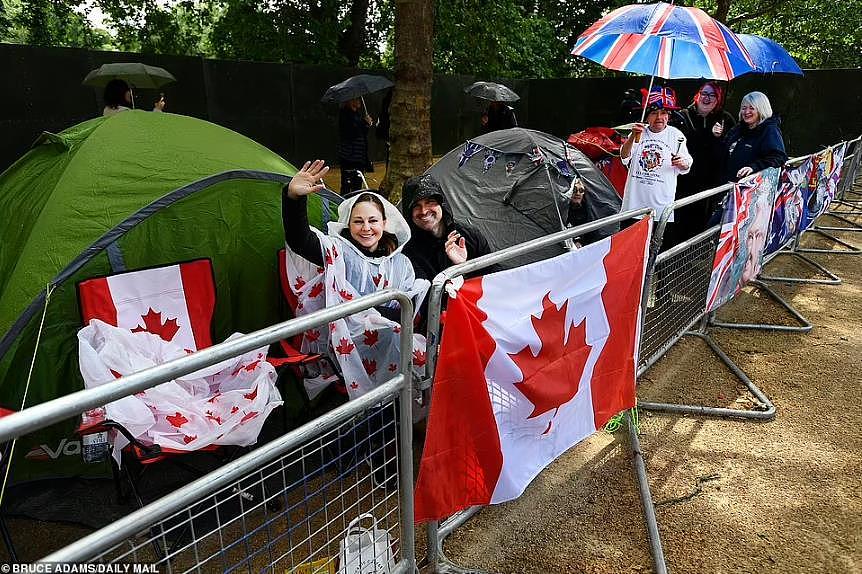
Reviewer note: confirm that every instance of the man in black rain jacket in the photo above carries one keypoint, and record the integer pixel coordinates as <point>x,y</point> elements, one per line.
<point>437,241</point>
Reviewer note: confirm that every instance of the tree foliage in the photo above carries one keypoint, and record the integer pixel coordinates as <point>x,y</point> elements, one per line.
<point>503,38</point>
<point>496,39</point>
<point>49,23</point>
<point>817,33</point>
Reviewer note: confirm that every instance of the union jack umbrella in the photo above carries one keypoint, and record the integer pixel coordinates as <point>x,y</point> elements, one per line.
<point>665,40</point>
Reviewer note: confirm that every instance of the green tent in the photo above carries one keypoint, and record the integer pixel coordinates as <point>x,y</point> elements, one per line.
<point>134,190</point>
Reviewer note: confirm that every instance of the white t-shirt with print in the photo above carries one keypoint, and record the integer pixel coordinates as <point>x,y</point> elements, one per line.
<point>652,179</point>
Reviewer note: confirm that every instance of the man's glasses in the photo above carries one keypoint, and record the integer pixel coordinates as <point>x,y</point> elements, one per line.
<point>708,95</point>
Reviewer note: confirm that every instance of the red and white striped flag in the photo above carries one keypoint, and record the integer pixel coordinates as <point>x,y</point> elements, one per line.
<point>533,360</point>
<point>175,302</point>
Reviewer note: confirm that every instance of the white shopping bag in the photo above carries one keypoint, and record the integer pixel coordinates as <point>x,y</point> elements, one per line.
<point>365,550</point>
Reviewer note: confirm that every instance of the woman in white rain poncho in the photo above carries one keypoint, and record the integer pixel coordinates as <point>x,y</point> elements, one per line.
<point>360,254</point>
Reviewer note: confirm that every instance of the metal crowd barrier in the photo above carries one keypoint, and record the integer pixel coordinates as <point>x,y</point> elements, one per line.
<point>793,248</point>
<point>285,506</point>
<point>437,532</point>
<point>849,248</point>
<point>288,504</point>
<point>674,306</point>
<point>845,187</point>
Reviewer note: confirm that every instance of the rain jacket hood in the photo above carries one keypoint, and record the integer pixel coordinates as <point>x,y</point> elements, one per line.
<point>424,187</point>
<point>396,224</point>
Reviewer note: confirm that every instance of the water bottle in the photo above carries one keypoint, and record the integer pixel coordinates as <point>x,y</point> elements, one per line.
<point>94,445</point>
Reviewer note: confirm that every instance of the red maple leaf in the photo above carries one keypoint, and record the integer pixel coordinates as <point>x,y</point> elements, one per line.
<point>248,417</point>
<point>234,409</point>
<point>377,279</point>
<point>328,257</point>
<point>316,290</point>
<point>393,367</point>
<point>354,385</point>
<point>252,395</point>
<point>334,252</point>
<point>212,417</point>
<point>345,346</point>
<point>212,399</point>
<point>300,282</point>
<point>312,335</point>
<point>371,337</point>
<point>345,295</point>
<point>396,329</point>
<point>550,379</point>
<point>370,366</point>
<point>119,376</point>
<point>153,324</point>
<point>332,327</point>
<point>419,358</point>
<point>188,439</point>
<point>176,420</point>
<point>252,365</point>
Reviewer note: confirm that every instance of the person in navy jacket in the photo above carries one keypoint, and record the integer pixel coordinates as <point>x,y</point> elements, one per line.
<point>755,143</point>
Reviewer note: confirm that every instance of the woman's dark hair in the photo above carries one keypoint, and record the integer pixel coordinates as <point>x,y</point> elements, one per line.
<point>388,242</point>
<point>115,93</point>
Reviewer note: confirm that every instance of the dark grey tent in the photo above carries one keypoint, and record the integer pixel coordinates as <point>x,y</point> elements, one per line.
<point>514,184</point>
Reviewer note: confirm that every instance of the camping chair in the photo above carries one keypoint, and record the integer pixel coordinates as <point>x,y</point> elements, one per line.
<point>184,291</point>
<point>304,365</point>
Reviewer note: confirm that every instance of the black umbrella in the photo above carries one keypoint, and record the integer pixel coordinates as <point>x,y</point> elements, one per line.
<point>491,91</point>
<point>355,87</point>
<point>137,74</point>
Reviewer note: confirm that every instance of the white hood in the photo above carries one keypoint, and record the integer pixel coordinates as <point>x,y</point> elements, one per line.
<point>395,222</point>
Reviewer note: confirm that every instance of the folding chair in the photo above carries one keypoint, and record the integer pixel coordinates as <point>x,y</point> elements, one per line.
<point>175,302</point>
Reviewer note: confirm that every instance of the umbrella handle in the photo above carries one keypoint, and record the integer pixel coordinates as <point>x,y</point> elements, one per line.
<point>365,110</point>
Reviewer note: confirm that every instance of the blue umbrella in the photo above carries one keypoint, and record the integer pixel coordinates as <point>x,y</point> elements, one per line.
<point>768,56</point>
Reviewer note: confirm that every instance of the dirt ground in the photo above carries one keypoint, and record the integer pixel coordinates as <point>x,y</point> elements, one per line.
<point>730,496</point>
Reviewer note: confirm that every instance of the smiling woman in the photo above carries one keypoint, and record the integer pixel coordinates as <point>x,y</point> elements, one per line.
<point>360,254</point>
<point>756,142</point>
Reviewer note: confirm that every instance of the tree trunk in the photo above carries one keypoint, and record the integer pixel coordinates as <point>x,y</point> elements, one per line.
<point>352,42</point>
<point>722,9</point>
<point>410,112</point>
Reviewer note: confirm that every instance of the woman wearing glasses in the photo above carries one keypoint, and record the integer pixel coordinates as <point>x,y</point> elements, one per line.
<point>703,123</point>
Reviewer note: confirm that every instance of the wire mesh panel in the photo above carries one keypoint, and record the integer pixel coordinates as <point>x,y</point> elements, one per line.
<point>291,515</point>
<point>677,295</point>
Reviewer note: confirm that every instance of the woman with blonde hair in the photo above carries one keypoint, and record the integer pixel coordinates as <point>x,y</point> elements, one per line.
<point>755,143</point>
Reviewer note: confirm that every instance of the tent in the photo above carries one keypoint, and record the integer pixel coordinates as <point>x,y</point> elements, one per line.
<point>512,185</point>
<point>130,191</point>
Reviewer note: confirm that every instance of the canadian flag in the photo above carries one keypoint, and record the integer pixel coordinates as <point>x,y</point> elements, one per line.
<point>533,360</point>
<point>175,302</point>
